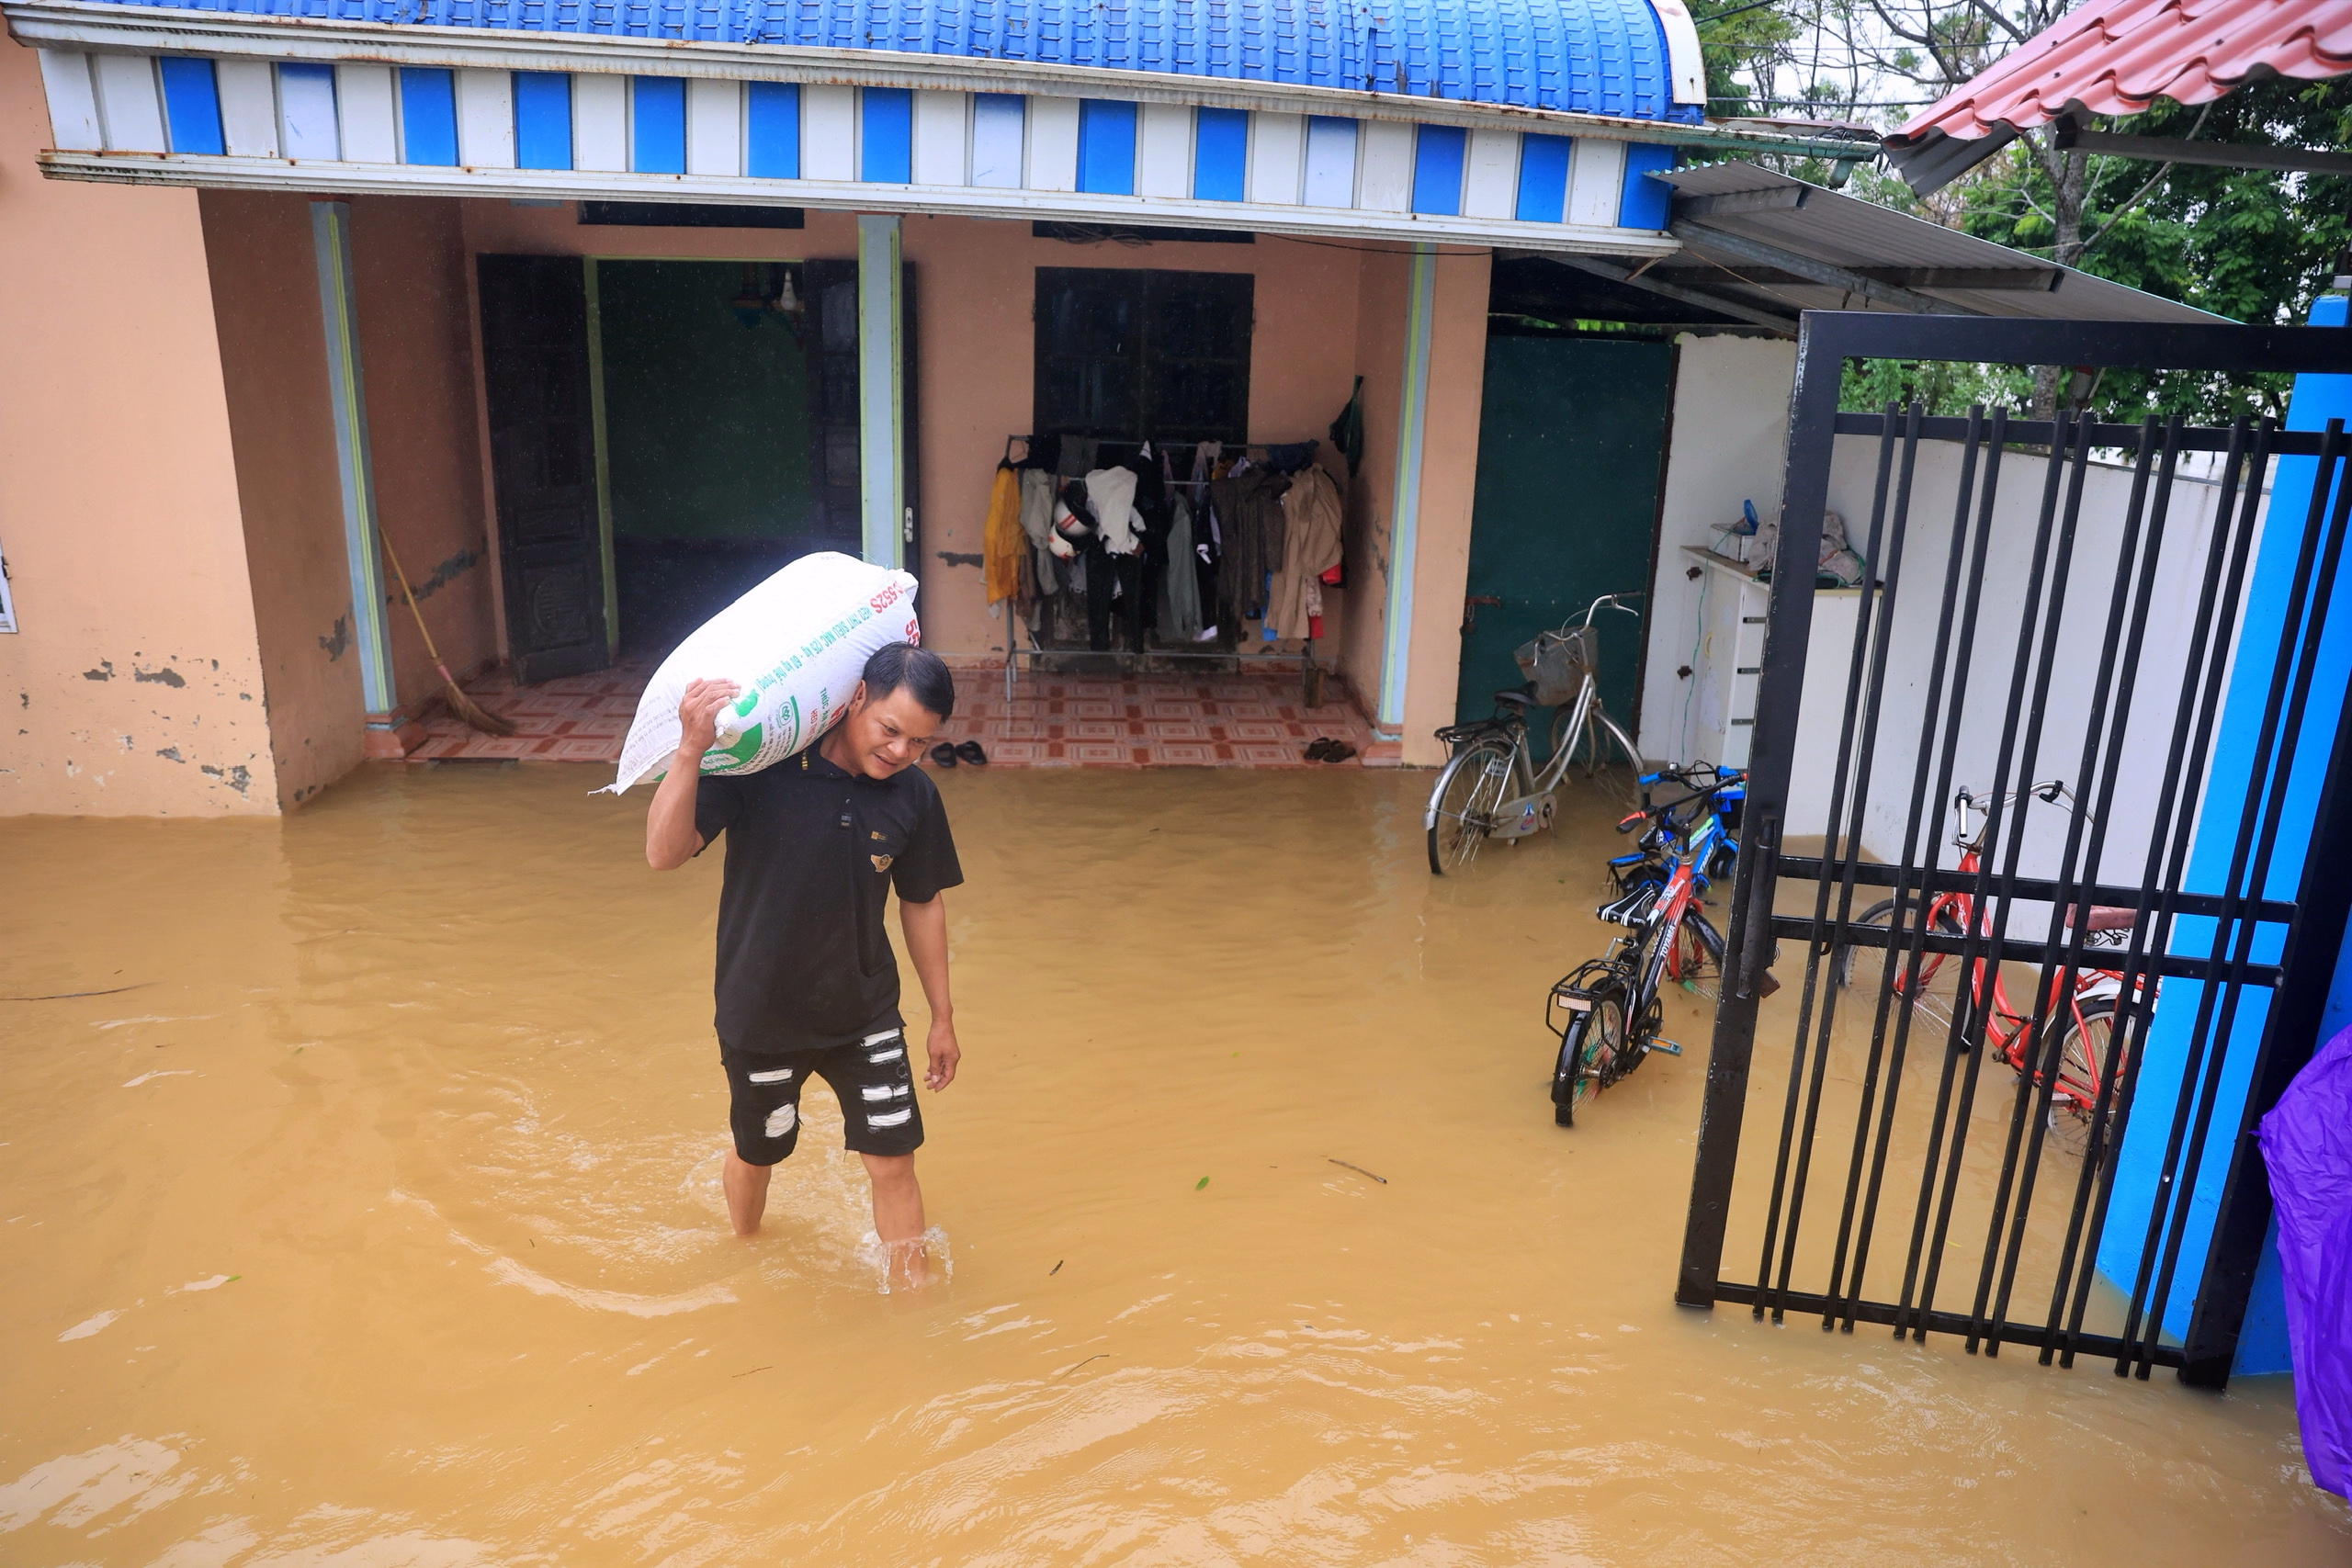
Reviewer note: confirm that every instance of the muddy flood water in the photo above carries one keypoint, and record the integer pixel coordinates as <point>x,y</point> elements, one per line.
<point>378,1223</point>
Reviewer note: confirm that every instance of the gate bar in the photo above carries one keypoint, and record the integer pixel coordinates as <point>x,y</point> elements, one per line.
<point>1824,341</point>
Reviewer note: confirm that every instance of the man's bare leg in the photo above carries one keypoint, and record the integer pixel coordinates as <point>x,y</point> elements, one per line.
<point>898,1216</point>
<point>746,1193</point>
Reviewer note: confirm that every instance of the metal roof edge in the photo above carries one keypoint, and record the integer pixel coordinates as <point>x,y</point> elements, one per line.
<point>95,25</point>
<point>213,170</point>
<point>1765,179</point>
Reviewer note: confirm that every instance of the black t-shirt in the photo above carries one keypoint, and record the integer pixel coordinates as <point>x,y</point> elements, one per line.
<point>812,853</point>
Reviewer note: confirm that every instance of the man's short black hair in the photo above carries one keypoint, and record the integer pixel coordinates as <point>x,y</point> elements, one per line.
<point>922,672</point>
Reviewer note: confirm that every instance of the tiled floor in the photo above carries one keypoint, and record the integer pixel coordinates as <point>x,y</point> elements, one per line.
<point>581,718</point>
<point>1051,721</point>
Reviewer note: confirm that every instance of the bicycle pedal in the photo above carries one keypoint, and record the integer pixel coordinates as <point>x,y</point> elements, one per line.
<point>1668,1046</point>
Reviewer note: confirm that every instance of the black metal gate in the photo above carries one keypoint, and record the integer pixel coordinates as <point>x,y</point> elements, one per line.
<point>1975,857</point>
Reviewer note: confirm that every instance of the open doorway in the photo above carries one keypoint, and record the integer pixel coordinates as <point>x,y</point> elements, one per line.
<point>718,403</point>
<point>706,460</point>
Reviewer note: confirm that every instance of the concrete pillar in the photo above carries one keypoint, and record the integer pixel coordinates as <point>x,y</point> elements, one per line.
<point>886,521</point>
<point>1405,496</point>
<point>346,391</point>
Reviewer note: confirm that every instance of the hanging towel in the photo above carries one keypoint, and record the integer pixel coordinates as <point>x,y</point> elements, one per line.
<point>1001,540</point>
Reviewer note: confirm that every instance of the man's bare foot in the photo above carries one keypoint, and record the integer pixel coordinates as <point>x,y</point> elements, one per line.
<point>910,1264</point>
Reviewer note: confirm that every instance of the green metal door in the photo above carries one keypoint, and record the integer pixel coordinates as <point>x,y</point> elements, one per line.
<point>1569,445</point>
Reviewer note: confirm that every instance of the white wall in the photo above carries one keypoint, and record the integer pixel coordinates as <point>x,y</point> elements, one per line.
<point>1728,435</point>
<point>2077,660</point>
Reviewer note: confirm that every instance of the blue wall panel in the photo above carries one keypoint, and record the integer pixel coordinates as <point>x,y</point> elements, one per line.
<point>191,104</point>
<point>658,108</point>
<point>886,136</point>
<point>542,120</point>
<point>428,117</point>
<point>772,131</point>
<point>1646,200</point>
<point>1106,147</point>
<point>1438,153</point>
<point>1542,179</point>
<point>1220,155</point>
<point>2164,1053</point>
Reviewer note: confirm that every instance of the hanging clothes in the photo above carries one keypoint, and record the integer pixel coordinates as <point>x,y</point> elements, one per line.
<point>1248,509</point>
<point>1112,495</point>
<point>1037,523</point>
<point>1347,431</point>
<point>1002,541</point>
<point>1207,548</point>
<point>1179,585</point>
<point>1311,547</point>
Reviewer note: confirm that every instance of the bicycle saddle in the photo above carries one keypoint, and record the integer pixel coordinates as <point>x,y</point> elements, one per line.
<point>2103,918</point>
<point>1518,696</point>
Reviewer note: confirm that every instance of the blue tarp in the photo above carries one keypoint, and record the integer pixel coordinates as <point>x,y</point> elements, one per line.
<point>2307,1146</point>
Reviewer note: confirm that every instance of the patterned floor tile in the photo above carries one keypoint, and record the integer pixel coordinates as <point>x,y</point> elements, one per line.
<point>1248,721</point>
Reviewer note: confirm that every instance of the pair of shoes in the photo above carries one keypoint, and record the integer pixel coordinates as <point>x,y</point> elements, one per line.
<point>1325,748</point>
<point>946,756</point>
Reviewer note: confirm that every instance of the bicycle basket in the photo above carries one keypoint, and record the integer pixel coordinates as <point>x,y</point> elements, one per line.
<point>1557,663</point>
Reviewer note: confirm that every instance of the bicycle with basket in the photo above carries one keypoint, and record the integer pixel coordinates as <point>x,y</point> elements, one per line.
<point>1490,787</point>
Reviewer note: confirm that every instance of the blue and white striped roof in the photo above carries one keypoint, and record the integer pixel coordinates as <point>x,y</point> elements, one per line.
<point>1626,58</point>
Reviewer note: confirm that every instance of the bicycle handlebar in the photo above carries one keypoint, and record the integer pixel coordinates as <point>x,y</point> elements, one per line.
<point>1610,600</point>
<point>1734,778</point>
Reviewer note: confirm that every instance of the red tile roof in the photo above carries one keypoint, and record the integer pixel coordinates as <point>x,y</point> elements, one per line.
<point>2117,56</point>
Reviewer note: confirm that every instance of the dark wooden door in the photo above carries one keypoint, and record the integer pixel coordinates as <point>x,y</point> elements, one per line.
<point>542,461</point>
<point>833,465</point>
<point>1570,438</point>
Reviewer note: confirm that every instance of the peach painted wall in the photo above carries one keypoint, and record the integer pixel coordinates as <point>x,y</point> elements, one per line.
<point>273,362</point>
<point>1448,480</point>
<point>410,266</point>
<point>1449,483</point>
<point>975,286</point>
<point>134,687</point>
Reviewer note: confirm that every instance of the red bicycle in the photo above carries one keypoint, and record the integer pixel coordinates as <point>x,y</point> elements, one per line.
<point>2086,1018</point>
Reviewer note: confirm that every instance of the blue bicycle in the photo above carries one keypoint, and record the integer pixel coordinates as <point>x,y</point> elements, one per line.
<point>1606,1012</point>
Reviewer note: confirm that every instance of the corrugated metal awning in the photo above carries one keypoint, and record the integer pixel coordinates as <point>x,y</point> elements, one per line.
<point>1761,247</point>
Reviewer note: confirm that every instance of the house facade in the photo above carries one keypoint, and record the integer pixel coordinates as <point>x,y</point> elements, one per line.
<point>501,299</point>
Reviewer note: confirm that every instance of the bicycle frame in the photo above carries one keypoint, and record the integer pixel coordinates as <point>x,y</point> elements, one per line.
<point>2004,1027</point>
<point>1654,909</point>
<point>1531,808</point>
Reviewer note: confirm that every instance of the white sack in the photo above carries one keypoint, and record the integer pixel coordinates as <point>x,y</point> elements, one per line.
<point>797,644</point>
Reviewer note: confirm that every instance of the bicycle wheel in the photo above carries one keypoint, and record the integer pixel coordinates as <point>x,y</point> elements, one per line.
<point>1590,1051</point>
<point>1933,996</point>
<point>1460,812</point>
<point>1697,952</point>
<point>2089,1053</point>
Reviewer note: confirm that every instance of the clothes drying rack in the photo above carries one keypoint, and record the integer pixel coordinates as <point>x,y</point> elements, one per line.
<point>1132,661</point>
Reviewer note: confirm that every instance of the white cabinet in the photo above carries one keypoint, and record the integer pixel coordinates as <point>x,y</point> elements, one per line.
<point>1732,608</point>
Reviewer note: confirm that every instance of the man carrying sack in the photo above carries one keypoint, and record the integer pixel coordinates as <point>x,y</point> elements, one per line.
<point>806,981</point>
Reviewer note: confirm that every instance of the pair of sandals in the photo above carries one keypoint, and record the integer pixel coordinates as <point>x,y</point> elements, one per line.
<point>1325,748</point>
<point>946,756</point>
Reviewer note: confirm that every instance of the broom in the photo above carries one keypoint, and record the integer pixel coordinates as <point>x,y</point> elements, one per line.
<point>464,706</point>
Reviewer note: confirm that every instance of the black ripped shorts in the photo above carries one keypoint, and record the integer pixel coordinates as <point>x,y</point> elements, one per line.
<point>871,1078</point>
